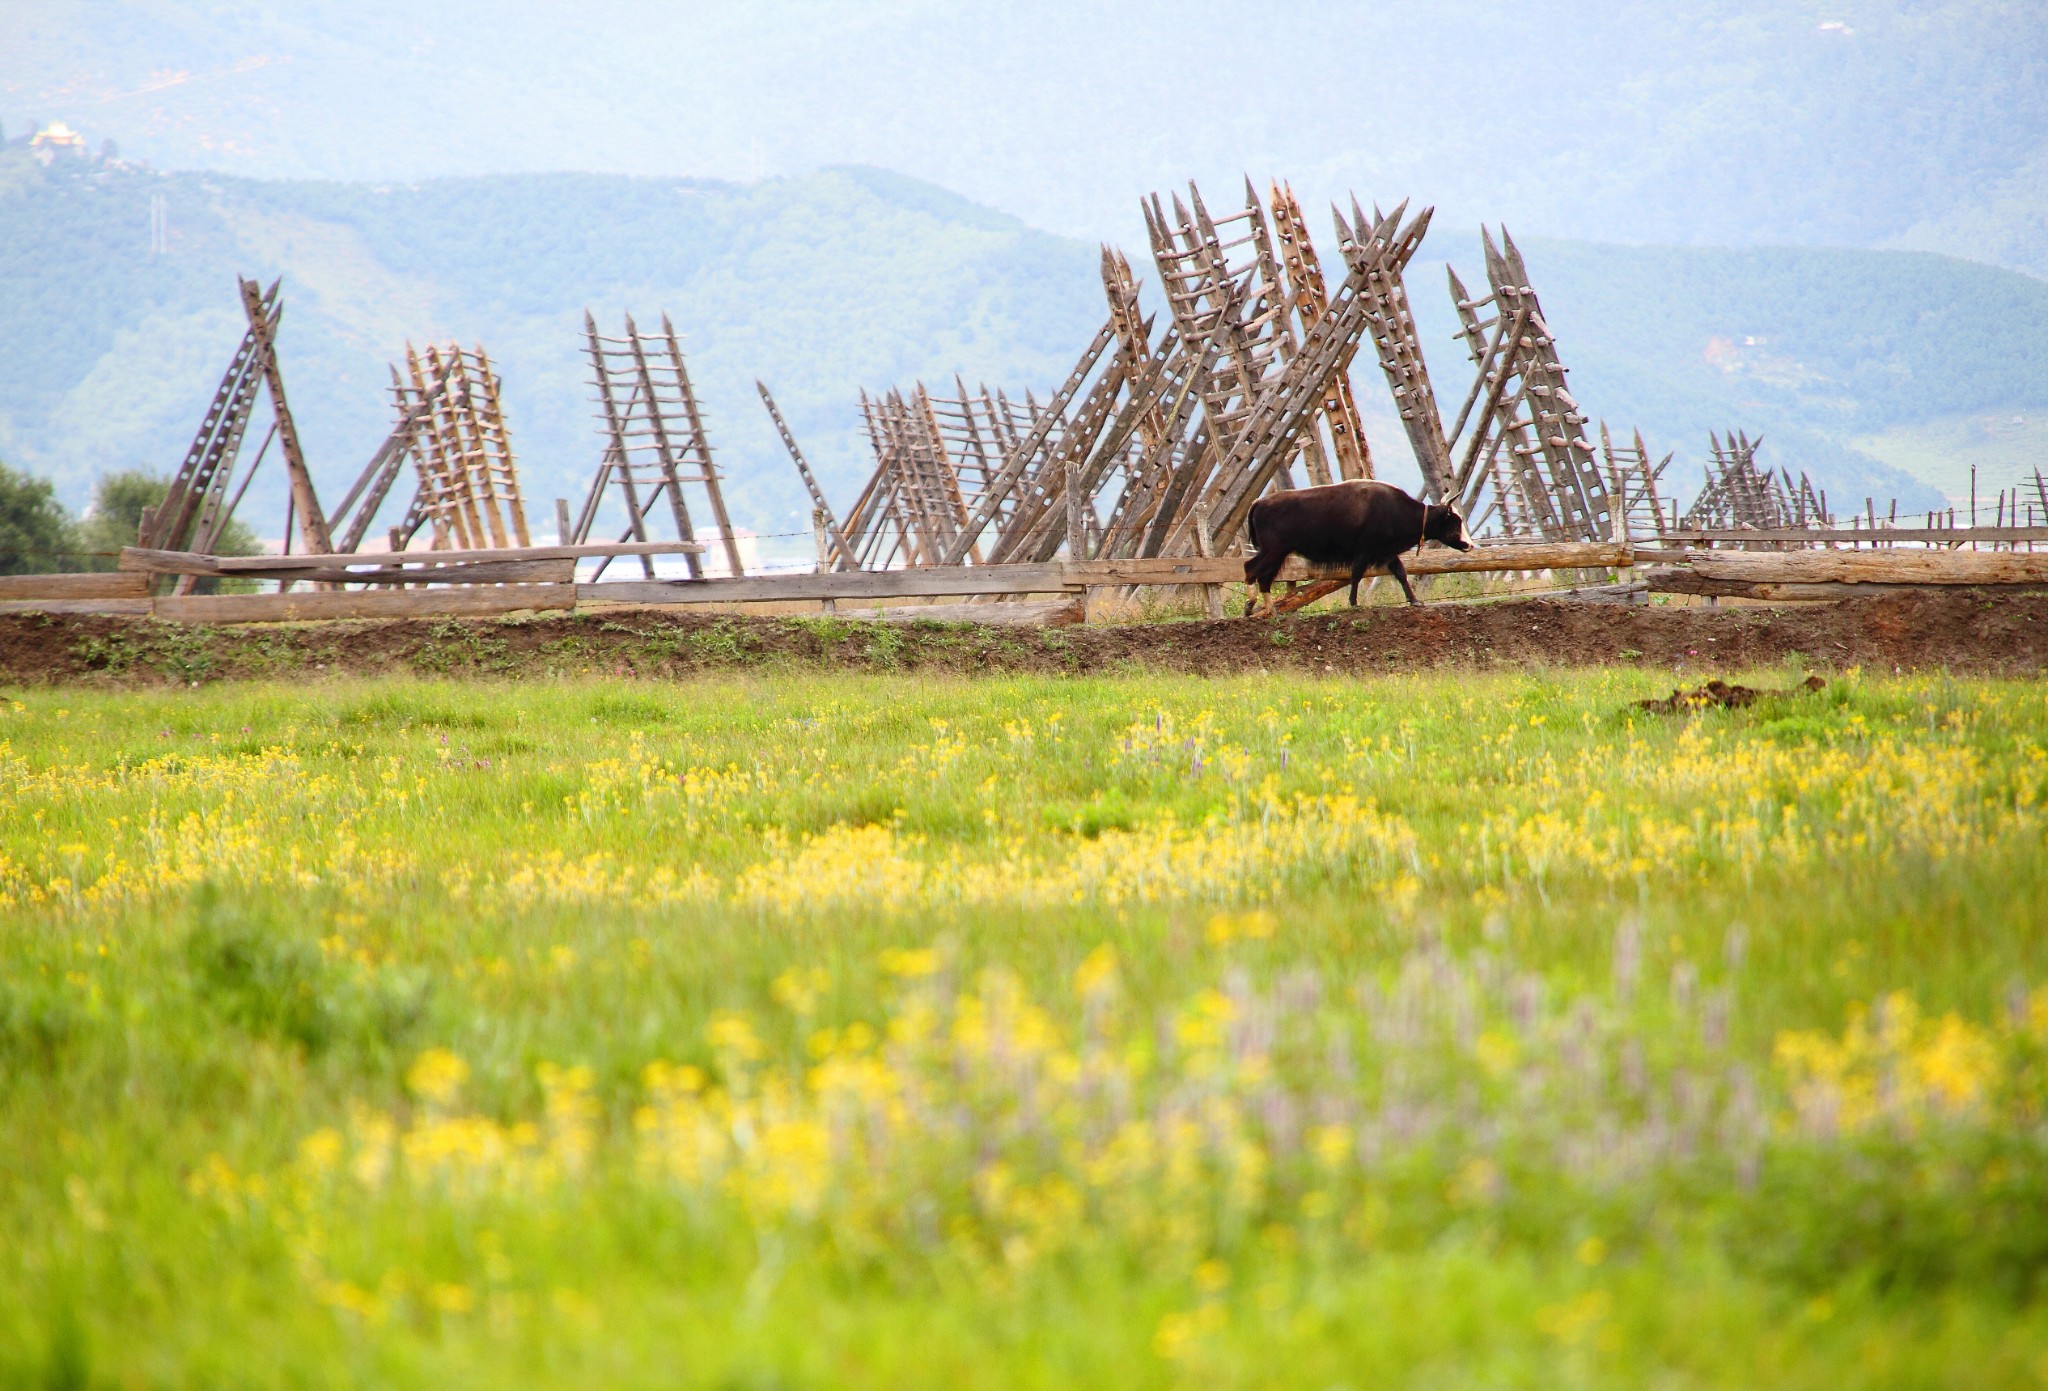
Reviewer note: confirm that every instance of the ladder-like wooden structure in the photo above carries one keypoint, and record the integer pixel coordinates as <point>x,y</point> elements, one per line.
<point>205,491</point>
<point>450,401</point>
<point>656,448</point>
<point>1171,426</point>
<point>1632,481</point>
<point>1739,495</point>
<point>1309,298</point>
<point>1528,467</point>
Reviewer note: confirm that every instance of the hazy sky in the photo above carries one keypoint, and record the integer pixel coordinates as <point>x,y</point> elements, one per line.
<point>1695,121</point>
<point>1863,123</point>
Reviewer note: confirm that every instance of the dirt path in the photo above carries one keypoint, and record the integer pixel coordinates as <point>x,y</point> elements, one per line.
<point>1968,631</point>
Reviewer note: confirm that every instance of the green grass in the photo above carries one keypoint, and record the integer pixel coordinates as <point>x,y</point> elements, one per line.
<point>1418,1031</point>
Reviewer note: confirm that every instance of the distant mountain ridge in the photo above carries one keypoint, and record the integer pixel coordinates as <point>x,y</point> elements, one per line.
<point>857,278</point>
<point>1916,124</point>
<point>819,286</point>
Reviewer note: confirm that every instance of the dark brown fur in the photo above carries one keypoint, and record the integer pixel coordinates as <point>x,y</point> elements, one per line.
<point>1362,525</point>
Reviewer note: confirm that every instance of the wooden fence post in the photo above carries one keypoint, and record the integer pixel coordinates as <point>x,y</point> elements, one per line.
<point>564,529</point>
<point>1205,546</point>
<point>1077,529</point>
<point>824,544</point>
<point>1077,534</point>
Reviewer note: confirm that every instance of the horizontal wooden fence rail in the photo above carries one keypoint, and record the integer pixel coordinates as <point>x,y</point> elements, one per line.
<point>1872,567</point>
<point>132,608</point>
<point>136,558</point>
<point>1810,575</point>
<point>1865,536</point>
<point>100,585</point>
<point>482,583</point>
<point>485,588</point>
<point>1516,557</point>
<point>1574,555</point>
<point>1053,577</point>
<point>479,602</point>
<point>943,580</point>
<point>478,572</point>
<point>1774,591</point>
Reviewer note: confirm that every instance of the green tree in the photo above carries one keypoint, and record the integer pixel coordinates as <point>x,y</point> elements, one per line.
<point>115,517</point>
<point>36,533</point>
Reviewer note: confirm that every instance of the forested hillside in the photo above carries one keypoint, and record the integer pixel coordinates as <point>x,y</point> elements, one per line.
<point>1832,355</point>
<point>854,278</point>
<point>819,286</point>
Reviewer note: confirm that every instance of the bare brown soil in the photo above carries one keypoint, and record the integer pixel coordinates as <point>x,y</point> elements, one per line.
<point>1967,631</point>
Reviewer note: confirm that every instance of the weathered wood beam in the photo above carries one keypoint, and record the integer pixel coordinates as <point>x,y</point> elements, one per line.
<point>150,562</point>
<point>1684,581</point>
<point>700,448</point>
<point>133,608</point>
<point>313,533</point>
<point>1433,561</point>
<point>1873,567</point>
<point>842,556</point>
<point>101,585</point>
<point>561,571</point>
<point>1878,536</point>
<point>1048,613</point>
<point>943,580</point>
<point>335,603</point>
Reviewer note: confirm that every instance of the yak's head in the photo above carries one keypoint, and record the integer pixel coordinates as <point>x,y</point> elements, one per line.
<point>1445,525</point>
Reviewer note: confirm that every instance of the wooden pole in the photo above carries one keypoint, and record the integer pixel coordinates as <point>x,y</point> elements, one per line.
<point>1893,566</point>
<point>1205,546</point>
<point>290,502</point>
<point>1077,531</point>
<point>819,534</point>
<point>1077,535</point>
<point>263,319</point>
<point>615,426</point>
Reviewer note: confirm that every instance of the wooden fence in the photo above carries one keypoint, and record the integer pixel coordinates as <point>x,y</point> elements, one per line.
<point>542,578</point>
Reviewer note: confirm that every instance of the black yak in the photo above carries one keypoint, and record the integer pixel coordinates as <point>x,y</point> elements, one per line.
<point>1362,525</point>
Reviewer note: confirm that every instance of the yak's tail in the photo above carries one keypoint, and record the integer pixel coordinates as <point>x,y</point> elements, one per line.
<point>1251,527</point>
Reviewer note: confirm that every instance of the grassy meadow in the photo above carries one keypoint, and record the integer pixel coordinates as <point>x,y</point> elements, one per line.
<point>1421,1031</point>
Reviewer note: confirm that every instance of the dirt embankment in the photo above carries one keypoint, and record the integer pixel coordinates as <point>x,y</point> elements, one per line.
<point>1967,631</point>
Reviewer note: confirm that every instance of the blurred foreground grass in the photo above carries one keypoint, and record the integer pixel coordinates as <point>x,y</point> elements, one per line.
<point>1421,1031</point>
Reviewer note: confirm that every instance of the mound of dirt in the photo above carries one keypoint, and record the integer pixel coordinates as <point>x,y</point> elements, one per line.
<point>1724,695</point>
<point>1968,631</point>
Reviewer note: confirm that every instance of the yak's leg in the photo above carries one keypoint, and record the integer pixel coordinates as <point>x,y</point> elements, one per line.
<point>1262,572</point>
<point>1357,574</point>
<point>1400,572</point>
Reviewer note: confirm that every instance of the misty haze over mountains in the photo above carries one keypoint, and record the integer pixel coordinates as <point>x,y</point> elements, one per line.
<point>1866,125</point>
<point>1715,122</point>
